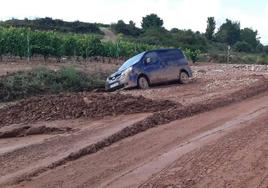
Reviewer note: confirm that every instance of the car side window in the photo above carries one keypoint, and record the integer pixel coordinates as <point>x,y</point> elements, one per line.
<point>171,55</point>
<point>152,56</point>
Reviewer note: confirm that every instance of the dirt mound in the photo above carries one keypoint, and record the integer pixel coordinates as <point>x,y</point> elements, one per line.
<point>71,106</point>
<point>28,130</point>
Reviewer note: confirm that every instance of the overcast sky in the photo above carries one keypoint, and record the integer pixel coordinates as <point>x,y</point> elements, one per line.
<point>182,14</point>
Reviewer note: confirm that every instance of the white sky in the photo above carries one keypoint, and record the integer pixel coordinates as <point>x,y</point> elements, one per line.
<point>182,14</point>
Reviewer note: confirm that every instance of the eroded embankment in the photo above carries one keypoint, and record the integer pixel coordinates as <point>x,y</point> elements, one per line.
<point>73,106</point>
<point>27,130</point>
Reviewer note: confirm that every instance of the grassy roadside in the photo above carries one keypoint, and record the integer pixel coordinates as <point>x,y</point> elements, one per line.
<point>44,81</point>
<point>234,58</point>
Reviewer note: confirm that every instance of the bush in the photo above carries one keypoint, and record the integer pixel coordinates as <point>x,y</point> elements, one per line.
<point>192,54</point>
<point>218,58</point>
<point>241,58</point>
<point>44,81</point>
<point>263,60</point>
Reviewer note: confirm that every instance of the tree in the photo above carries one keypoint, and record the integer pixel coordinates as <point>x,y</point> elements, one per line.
<point>242,47</point>
<point>259,48</point>
<point>250,36</point>
<point>120,27</point>
<point>126,29</point>
<point>265,49</point>
<point>211,26</point>
<point>2,43</point>
<point>189,39</point>
<point>229,32</point>
<point>133,30</point>
<point>174,30</point>
<point>132,24</point>
<point>156,36</point>
<point>151,21</point>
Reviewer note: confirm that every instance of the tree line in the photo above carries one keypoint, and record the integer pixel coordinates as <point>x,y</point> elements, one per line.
<point>229,33</point>
<point>49,24</point>
<point>152,32</point>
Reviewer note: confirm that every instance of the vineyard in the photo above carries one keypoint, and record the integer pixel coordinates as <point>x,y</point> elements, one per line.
<point>23,42</point>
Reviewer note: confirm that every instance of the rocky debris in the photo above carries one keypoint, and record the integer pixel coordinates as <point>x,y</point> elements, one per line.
<point>228,76</point>
<point>229,83</point>
<point>256,68</point>
<point>76,105</point>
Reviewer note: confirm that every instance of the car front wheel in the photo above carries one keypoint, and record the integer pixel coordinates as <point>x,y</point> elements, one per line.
<point>143,83</point>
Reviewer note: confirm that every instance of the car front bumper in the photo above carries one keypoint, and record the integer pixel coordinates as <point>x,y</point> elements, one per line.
<point>119,83</point>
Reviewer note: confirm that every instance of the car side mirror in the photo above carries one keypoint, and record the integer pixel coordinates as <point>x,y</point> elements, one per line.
<point>148,60</point>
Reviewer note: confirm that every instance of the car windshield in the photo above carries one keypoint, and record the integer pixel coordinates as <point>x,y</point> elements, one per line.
<point>131,61</point>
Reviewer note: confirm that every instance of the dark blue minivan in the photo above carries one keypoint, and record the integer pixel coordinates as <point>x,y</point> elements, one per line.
<point>151,67</point>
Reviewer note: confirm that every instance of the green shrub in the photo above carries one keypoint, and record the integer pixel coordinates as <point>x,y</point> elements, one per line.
<point>262,60</point>
<point>240,58</point>
<point>192,54</point>
<point>218,58</point>
<point>43,81</point>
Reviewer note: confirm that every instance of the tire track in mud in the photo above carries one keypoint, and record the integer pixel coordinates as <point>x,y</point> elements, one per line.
<point>237,159</point>
<point>162,163</point>
<point>158,118</point>
<point>22,162</point>
<point>164,117</point>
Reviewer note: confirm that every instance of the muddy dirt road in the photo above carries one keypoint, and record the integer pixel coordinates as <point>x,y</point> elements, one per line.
<point>225,147</point>
<point>212,132</point>
<point>209,81</point>
<point>108,34</point>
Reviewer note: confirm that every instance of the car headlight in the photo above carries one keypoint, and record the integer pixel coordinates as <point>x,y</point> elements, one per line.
<point>127,72</point>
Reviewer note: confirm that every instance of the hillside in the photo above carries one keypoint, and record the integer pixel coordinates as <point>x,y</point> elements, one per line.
<point>49,24</point>
<point>244,43</point>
